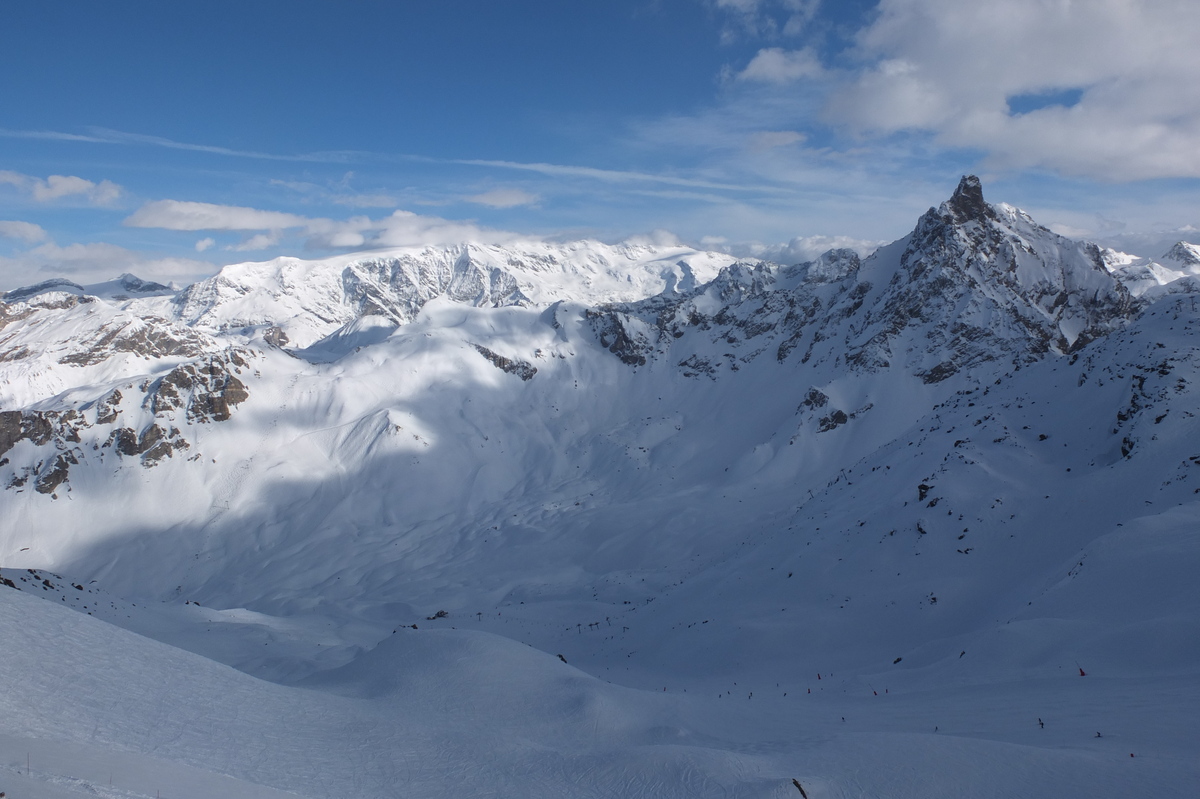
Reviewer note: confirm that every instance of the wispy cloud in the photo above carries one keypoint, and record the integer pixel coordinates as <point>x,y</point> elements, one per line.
<point>56,187</point>
<point>258,242</point>
<point>182,215</point>
<point>686,196</point>
<point>401,228</point>
<point>503,198</point>
<point>807,248</point>
<point>364,200</point>
<point>614,175</point>
<point>339,193</point>
<point>22,231</point>
<point>776,65</point>
<point>768,19</point>
<point>109,136</point>
<point>404,228</point>
<point>93,262</point>
<point>120,137</point>
<point>376,199</point>
<point>763,140</point>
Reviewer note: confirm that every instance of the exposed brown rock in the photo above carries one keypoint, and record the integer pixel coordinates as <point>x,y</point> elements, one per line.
<point>521,369</point>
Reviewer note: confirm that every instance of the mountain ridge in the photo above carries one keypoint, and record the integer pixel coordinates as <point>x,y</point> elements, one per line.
<point>948,472</point>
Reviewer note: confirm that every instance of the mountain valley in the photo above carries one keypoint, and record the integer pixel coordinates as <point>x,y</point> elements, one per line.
<point>610,520</point>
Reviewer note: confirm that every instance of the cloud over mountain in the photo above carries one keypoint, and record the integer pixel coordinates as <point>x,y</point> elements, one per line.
<point>1100,89</point>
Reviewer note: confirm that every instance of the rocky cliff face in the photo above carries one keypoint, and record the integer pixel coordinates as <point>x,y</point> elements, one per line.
<point>84,378</point>
<point>972,283</point>
<point>140,420</point>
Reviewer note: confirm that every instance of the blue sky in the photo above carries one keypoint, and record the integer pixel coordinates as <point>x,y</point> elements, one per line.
<point>168,139</point>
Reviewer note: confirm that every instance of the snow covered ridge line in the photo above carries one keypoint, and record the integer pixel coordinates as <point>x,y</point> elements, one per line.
<point>82,330</point>
<point>309,300</point>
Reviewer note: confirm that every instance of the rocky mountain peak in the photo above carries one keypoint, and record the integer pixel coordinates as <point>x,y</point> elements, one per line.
<point>967,204</point>
<point>133,283</point>
<point>979,264</point>
<point>972,284</point>
<point>54,284</point>
<point>1184,253</point>
<point>832,266</point>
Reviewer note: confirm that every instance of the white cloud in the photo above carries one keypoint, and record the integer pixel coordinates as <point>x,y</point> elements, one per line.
<point>343,239</point>
<point>179,215</point>
<point>688,196</point>
<point>769,139</point>
<point>655,238</point>
<point>94,262</point>
<point>205,244</point>
<point>1070,231</point>
<point>503,198</point>
<point>954,68</point>
<point>56,187</point>
<point>22,231</point>
<point>606,175</point>
<point>807,248</point>
<point>798,250</point>
<point>259,241</point>
<point>742,6</point>
<point>368,200</point>
<point>340,194</point>
<point>776,65</point>
<point>767,18</point>
<point>406,228</point>
<point>108,136</point>
<point>299,186</point>
<point>402,228</point>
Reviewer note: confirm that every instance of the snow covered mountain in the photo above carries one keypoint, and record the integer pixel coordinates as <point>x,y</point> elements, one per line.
<point>307,300</point>
<point>120,288</point>
<point>862,523</point>
<point>972,283</point>
<point>1172,273</point>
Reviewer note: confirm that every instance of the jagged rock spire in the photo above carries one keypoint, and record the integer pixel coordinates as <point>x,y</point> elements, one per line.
<point>967,203</point>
